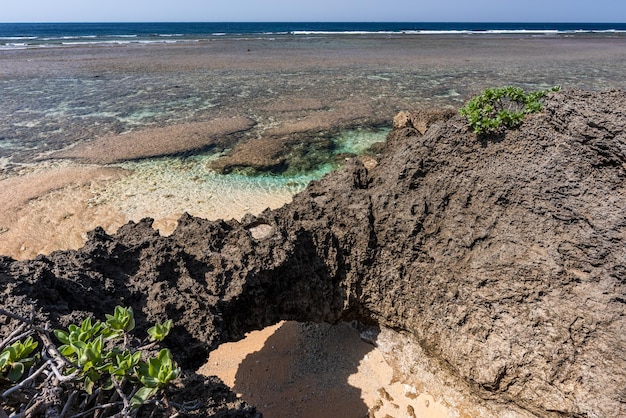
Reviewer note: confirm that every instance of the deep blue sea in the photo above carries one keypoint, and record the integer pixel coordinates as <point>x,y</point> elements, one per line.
<point>29,35</point>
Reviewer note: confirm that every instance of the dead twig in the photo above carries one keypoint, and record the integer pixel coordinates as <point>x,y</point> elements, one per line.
<point>15,335</point>
<point>96,408</point>
<point>68,404</point>
<point>14,316</point>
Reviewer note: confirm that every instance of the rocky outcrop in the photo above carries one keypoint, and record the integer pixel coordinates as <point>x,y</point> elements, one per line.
<point>501,258</point>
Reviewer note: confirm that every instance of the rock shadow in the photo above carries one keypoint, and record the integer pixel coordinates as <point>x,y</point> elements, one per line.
<point>303,370</point>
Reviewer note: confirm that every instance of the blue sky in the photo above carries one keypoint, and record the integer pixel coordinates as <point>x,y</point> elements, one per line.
<point>316,10</point>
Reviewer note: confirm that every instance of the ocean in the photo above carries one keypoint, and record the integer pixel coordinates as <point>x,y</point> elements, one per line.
<point>104,123</point>
<point>32,35</point>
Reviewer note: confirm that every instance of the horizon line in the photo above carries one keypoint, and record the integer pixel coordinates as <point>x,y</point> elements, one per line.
<point>315,21</point>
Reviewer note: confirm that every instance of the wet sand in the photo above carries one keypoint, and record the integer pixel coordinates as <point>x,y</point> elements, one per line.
<point>99,105</point>
<point>48,209</point>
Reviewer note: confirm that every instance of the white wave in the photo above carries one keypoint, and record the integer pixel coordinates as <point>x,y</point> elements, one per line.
<point>13,45</point>
<point>17,38</point>
<point>119,42</point>
<point>452,32</point>
<point>349,32</point>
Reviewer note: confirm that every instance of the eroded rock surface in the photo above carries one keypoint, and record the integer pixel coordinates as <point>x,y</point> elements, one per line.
<point>503,258</point>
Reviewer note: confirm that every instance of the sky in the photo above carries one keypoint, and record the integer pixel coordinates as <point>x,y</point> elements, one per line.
<point>313,11</point>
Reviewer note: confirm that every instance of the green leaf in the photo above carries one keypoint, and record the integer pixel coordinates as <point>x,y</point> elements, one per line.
<point>5,358</point>
<point>149,381</point>
<point>27,347</point>
<point>159,331</point>
<point>66,350</point>
<point>86,326</point>
<point>154,365</point>
<point>12,353</point>
<point>15,372</point>
<point>89,384</point>
<point>62,336</point>
<point>78,346</point>
<point>142,395</point>
<point>165,356</point>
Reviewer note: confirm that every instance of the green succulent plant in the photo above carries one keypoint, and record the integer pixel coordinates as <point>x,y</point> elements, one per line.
<point>159,331</point>
<point>155,374</point>
<point>502,108</point>
<point>97,367</point>
<point>16,359</point>
<point>93,349</point>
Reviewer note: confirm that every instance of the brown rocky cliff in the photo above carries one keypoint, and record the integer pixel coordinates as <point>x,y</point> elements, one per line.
<point>503,258</point>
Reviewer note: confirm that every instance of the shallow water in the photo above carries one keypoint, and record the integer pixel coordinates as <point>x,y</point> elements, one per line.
<point>162,187</point>
<point>54,98</point>
<point>337,86</point>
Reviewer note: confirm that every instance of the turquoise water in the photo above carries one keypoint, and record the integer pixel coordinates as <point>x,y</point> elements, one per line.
<point>358,141</point>
<point>167,187</point>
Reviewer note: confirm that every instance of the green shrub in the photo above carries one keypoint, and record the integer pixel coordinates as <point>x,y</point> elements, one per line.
<point>94,362</point>
<point>501,108</point>
<point>15,359</point>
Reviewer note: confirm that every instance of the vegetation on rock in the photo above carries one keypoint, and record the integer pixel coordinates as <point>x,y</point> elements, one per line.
<point>502,108</point>
<point>96,371</point>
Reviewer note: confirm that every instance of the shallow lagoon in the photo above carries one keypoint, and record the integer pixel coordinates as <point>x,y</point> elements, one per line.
<point>293,87</point>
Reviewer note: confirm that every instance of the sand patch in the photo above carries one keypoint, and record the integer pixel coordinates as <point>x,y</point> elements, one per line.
<point>50,209</point>
<point>156,142</point>
<point>316,371</point>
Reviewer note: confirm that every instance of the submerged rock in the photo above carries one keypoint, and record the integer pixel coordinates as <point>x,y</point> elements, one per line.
<point>501,259</point>
<point>278,155</point>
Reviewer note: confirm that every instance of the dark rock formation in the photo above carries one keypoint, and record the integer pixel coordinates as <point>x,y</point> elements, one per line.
<point>503,258</point>
<point>295,153</point>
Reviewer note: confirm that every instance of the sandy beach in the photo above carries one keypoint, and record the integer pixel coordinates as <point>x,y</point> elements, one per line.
<point>106,168</point>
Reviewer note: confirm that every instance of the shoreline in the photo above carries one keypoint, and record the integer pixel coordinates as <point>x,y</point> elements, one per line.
<point>253,101</point>
<point>281,95</point>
